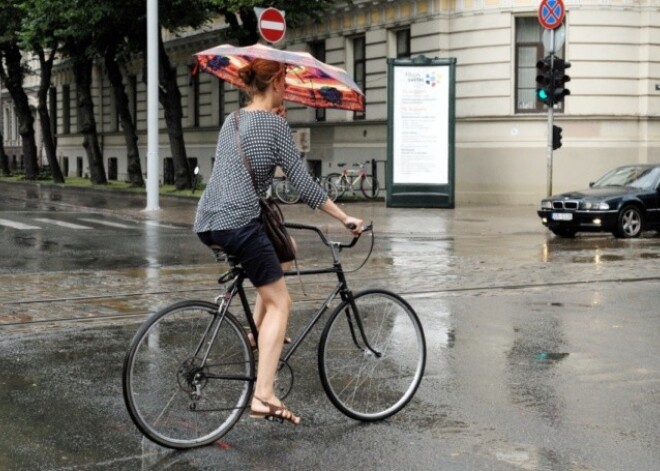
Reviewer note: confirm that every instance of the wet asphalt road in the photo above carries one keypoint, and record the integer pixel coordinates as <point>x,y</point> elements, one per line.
<point>543,354</point>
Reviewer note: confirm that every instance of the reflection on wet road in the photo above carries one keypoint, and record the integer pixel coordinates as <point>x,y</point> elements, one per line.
<point>543,353</point>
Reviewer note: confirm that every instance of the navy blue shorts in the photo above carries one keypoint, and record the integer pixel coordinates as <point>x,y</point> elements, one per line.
<point>252,248</point>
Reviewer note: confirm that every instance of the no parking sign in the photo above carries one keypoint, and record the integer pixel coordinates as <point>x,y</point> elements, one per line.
<point>551,13</point>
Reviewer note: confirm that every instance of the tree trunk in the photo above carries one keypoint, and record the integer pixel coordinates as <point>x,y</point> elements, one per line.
<point>12,78</point>
<point>44,116</point>
<point>4,160</point>
<point>170,98</point>
<point>128,127</point>
<point>82,71</point>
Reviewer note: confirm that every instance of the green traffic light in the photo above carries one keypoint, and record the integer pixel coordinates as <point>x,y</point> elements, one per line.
<point>543,95</point>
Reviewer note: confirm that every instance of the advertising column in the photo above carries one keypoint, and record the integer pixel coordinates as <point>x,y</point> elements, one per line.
<point>421,132</point>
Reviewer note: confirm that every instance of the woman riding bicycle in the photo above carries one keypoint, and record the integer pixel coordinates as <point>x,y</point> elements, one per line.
<point>228,215</point>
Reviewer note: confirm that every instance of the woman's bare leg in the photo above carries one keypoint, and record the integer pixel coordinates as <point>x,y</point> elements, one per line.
<point>277,304</point>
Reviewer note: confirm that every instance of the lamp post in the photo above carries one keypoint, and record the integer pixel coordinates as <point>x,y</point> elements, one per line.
<point>153,162</point>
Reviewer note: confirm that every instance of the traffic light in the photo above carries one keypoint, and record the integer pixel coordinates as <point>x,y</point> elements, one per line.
<point>556,137</point>
<point>544,80</point>
<point>559,77</point>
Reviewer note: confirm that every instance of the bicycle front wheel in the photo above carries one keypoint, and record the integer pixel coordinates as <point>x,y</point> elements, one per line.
<point>369,186</point>
<point>330,189</point>
<point>286,192</point>
<point>372,355</point>
<point>340,183</point>
<point>185,386</point>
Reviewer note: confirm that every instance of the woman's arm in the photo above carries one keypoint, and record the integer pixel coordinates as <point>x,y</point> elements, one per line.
<point>352,223</point>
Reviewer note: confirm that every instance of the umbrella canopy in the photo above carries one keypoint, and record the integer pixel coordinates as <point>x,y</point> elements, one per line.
<point>308,80</point>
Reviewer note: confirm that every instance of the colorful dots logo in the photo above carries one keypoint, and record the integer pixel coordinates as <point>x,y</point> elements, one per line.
<point>432,78</point>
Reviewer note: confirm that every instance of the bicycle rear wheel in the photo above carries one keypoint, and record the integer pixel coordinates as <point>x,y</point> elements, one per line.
<point>286,192</point>
<point>175,397</point>
<point>340,183</point>
<point>369,186</point>
<point>372,376</point>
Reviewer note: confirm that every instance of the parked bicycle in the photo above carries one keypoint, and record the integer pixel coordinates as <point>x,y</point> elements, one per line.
<point>288,194</point>
<point>189,372</point>
<point>351,180</point>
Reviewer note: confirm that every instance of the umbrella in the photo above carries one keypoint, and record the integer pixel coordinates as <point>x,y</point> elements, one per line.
<point>308,80</point>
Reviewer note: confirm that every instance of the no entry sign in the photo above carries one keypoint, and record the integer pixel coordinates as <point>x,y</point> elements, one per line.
<point>272,25</point>
<point>551,13</point>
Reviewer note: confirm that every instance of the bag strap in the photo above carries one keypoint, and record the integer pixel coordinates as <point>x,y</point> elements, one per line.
<point>246,161</point>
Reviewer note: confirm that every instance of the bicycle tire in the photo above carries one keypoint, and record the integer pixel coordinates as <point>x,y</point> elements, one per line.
<point>160,369</point>
<point>330,189</point>
<point>340,183</point>
<point>286,192</point>
<point>369,187</point>
<point>359,383</point>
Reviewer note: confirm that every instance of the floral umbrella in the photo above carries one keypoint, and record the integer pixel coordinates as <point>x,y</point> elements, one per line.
<point>308,80</point>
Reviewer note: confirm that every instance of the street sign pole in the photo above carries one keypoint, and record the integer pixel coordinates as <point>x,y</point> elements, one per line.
<point>551,15</point>
<point>551,116</point>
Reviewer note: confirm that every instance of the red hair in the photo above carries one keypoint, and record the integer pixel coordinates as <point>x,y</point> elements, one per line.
<point>259,74</point>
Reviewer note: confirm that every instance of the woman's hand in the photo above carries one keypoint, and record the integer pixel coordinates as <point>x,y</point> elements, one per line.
<point>354,225</point>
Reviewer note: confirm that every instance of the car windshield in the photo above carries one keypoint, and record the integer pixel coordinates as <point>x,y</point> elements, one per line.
<point>638,177</point>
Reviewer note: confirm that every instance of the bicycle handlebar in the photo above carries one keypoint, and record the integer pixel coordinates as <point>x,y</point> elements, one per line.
<point>324,239</point>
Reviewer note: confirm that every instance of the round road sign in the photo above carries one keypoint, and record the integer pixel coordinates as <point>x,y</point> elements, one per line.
<point>551,13</point>
<point>272,25</point>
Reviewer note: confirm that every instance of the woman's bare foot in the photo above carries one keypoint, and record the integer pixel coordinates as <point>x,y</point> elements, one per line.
<point>273,410</point>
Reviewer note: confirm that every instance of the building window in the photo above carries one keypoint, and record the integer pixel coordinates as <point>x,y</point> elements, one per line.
<point>529,49</point>
<point>52,110</point>
<point>317,49</point>
<point>194,101</point>
<point>403,43</point>
<point>359,68</point>
<point>66,109</point>
<point>221,102</point>
<point>112,168</point>
<point>132,98</point>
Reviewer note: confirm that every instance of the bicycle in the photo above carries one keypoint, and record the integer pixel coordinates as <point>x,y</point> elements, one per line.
<point>189,372</point>
<point>349,179</point>
<point>288,194</point>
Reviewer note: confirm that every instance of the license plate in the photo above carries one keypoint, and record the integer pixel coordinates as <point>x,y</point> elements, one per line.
<point>562,216</point>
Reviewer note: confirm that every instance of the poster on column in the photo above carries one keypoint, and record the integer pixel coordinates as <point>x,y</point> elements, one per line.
<point>421,125</point>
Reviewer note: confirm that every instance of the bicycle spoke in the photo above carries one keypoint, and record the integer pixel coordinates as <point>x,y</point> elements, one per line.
<point>375,382</point>
<point>173,397</point>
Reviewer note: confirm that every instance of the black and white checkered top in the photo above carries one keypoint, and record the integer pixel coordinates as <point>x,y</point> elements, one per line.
<point>229,200</point>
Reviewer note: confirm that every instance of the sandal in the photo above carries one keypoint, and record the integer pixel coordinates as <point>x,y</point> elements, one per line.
<point>253,345</point>
<point>275,413</point>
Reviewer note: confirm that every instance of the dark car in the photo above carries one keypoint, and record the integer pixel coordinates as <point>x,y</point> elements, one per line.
<point>625,201</point>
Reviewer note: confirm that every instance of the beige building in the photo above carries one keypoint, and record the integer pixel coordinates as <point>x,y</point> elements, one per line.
<point>612,116</point>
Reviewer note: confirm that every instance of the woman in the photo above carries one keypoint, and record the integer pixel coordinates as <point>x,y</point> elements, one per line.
<point>228,215</point>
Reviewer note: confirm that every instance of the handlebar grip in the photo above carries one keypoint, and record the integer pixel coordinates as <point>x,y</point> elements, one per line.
<point>351,226</point>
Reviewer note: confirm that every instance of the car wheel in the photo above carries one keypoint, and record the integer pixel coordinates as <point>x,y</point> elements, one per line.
<point>630,223</point>
<point>563,232</point>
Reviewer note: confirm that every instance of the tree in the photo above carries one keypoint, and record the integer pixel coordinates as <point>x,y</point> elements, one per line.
<point>46,57</point>
<point>12,72</point>
<point>121,38</point>
<point>74,25</point>
<point>176,15</point>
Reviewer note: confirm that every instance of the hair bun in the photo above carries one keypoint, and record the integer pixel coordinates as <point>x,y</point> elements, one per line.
<point>247,74</point>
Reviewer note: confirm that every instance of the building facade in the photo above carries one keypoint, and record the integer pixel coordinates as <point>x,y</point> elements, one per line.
<point>612,116</point>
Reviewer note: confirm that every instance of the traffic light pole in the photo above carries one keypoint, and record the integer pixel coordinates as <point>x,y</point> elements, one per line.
<point>550,120</point>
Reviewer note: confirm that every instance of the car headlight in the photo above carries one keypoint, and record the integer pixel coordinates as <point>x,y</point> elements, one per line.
<point>594,205</point>
<point>546,204</point>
